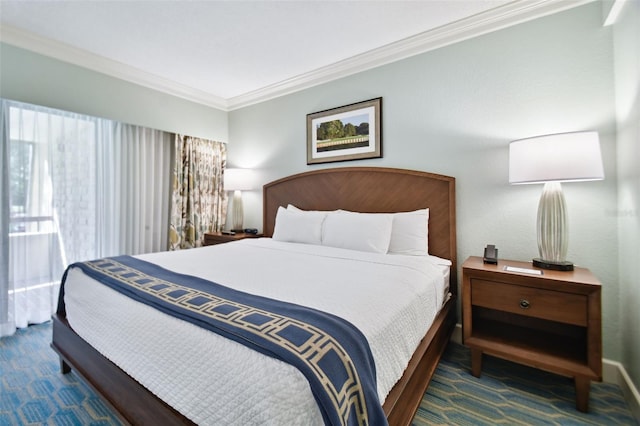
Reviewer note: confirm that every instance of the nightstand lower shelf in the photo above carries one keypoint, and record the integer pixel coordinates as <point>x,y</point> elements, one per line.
<point>553,353</point>
<point>559,348</point>
<point>581,373</point>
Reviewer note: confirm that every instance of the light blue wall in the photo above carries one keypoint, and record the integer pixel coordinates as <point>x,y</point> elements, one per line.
<point>453,111</point>
<point>627,78</point>
<point>29,77</point>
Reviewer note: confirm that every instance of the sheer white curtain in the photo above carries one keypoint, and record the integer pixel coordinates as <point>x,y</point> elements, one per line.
<point>46,151</point>
<point>77,188</point>
<point>134,177</point>
<point>7,324</point>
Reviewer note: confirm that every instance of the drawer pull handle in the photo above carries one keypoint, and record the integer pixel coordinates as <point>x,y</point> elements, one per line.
<point>524,304</point>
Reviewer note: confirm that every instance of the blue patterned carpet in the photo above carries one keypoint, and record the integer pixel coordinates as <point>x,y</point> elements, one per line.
<point>33,392</point>
<point>512,394</point>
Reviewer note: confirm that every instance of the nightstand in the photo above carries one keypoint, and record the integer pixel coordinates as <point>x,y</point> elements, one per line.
<point>212,238</point>
<point>550,321</point>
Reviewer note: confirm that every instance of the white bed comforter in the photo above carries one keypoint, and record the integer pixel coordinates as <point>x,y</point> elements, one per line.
<point>392,299</point>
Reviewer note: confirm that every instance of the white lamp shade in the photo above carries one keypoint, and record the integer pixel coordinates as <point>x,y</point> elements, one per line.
<point>238,180</point>
<point>563,157</point>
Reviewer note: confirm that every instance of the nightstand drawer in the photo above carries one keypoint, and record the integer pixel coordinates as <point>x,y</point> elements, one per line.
<point>550,305</point>
<point>213,238</point>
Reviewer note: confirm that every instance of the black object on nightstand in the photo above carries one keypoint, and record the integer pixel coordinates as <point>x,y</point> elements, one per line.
<point>490,255</point>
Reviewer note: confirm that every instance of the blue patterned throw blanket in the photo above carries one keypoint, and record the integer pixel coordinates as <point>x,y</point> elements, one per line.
<point>333,354</point>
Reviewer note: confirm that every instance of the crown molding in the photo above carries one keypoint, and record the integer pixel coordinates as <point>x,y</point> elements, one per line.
<point>513,13</point>
<point>64,52</point>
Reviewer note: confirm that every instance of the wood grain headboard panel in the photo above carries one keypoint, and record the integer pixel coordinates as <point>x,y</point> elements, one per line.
<point>372,190</point>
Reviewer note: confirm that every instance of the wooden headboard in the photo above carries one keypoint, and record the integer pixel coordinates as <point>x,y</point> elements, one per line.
<point>372,190</point>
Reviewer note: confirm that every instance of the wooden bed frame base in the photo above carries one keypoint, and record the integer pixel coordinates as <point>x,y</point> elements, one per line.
<point>136,405</point>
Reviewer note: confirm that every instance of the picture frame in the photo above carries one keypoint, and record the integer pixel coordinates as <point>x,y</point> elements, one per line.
<point>350,132</point>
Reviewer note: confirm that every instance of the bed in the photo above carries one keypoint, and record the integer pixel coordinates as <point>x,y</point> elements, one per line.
<point>354,189</point>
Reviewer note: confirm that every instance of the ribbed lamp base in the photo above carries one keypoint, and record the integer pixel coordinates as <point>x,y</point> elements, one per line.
<point>552,229</point>
<point>238,211</point>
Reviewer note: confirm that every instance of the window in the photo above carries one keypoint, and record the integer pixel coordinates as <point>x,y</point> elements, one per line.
<point>20,179</point>
<point>79,187</point>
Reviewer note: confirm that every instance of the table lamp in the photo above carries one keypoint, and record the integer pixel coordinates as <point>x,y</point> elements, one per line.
<point>552,159</point>
<point>237,180</point>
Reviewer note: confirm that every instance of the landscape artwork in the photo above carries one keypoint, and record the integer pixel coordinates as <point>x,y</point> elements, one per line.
<point>350,132</point>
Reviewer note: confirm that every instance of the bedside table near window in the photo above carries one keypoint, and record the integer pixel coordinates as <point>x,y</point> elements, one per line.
<point>550,321</point>
<point>212,238</point>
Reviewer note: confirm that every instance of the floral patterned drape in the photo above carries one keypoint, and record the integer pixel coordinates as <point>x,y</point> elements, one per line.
<point>198,200</point>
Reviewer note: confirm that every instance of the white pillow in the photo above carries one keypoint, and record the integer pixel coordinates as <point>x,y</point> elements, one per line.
<point>409,234</point>
<point>357,231</point>
<point>298,226</point>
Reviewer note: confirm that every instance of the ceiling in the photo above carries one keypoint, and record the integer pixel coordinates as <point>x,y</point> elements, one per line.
<point>233,53</point>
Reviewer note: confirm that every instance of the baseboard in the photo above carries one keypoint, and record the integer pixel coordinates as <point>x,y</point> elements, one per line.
<point>612,372</point>
<point>456,337</point>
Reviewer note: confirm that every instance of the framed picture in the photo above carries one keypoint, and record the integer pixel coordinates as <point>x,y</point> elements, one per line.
<point>350,132</point>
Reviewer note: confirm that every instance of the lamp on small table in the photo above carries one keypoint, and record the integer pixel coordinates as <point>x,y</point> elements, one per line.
<point>552,159</point>
<point>237,180</point>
